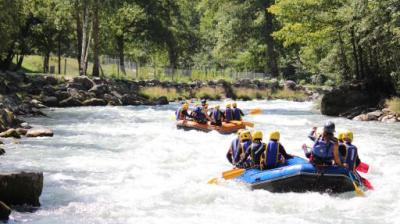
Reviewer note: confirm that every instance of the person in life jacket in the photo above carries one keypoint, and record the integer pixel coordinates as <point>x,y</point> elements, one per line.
<point>204,109</point>
<point>182,113</point>
<point>237,113</point>
<point>198,115</point>
<point>325,148</point>
<point>351,159</point>
<point>216,116</point>
<point>228,113</point>
<point>274,152</point>
<point>243,150</point>
<point>232,155</point>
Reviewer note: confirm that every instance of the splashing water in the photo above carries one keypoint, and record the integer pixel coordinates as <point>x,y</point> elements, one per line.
<point>131,165</point>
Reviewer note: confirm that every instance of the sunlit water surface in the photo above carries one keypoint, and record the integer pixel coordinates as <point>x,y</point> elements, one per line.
<point>131,165</point>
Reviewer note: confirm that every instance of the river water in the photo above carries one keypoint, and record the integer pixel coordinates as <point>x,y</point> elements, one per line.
<point>131,165</point>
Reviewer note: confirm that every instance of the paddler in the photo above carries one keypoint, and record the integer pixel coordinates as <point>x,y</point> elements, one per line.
<point>228,113</point>
<point>351,159</point>
<point>198,115</point>
<point>237,113</point>
<point>274,152</point>
<point>245,142</point>
<point>182,112</point>
<point>233,155</point>
<point>216,116</point>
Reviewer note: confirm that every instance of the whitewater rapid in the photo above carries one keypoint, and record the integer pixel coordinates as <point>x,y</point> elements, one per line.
<point>131,165</point>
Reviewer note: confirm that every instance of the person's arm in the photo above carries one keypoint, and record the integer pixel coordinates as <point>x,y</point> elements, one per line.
<point>282,151</point>
<point>311,135</point>
<point>336,154</point>
<point>229,155</point>
<point>241,112</point>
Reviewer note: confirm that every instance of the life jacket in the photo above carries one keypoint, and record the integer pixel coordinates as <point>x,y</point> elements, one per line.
<point>228,114</point>
<point>323,150</point>
<point>257,149</point>
<point>271,154</point>
<point>235,150</point>
<point>216,115</point>
<point>351,155</point>
<point>199,114</point>
<point>236,114</point>
<point>179,115</point>
<point>243,148</point>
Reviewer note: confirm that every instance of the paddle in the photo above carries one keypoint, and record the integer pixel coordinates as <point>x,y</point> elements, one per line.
<point>247,123</point>
<point>366,183</point>
<point>357,189</point>
<point>363,167</point>
<point>229,174</point>
<point>255,111</point>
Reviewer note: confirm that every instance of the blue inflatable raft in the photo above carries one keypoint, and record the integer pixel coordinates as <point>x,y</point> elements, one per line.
<point>298,175</point>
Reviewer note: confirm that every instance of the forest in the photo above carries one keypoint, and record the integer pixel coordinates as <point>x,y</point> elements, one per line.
<point>341,40</point>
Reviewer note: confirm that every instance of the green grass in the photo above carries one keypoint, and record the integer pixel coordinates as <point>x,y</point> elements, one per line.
<point>156,92</point>
<point>248,93</point>
<point>394,104</point>
<point>289,95</point>
<point>209,93</point>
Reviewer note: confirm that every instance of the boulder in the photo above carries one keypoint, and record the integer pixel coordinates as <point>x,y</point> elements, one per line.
<point>373,116</point>
<point>163,100</point>
<point>39,132</point>
<point>10,133</point>
<point>132,99</point>
<point>70,102</point>
<point>5,211</point>
<point>112,100</point>
<point>290,85</point>
<point>50,101</point>
<point>21,131</point>
<point>2,151</point>
<point>389,119</point>
<point>99,90</point>
<point>25,125</point>
<point>61,95</point>
<point>7,120</point>
<point>94,102</point>
<point>21,188</point>
<point>83,81</point>
<point>361,117</point>
<point>48,90</point>
<point>51,80</point>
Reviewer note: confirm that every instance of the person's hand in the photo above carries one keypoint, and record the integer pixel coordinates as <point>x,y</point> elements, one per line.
<point>304,147</point>
<point>345,165</point>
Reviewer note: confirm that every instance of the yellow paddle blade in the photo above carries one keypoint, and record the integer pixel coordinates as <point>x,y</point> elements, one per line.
<point>213,181</point>
<point>248,123</point>
<point>230,174</point>
<point>255,111</point>
<point>358,190</point>
<point>236,122</point>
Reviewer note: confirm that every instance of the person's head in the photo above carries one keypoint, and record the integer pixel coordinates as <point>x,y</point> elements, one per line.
<point>234,104</point>
<point>228,105</point>
<point>257,135</point>
<point>206,105</point>
<point>341,134</point>
<point>203,102</point>
<point>329,128</point>
<point>216,107</point>
<point>185,106</point>
<point>348,136</point>
<point>245,135</point>
<point>274,135</point>
<point>240,131</point>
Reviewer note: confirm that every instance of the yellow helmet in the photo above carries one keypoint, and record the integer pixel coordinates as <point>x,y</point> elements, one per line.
<point>341,134</point>
<point>257,135</point>
<point>216,106</point>
<point>245,135</point>
<point>348,136</point>
<point>234,104</point>
<point>228,105</point>
<point>274,135</point>
<point>185,106</point>
<point>319,131</point>
<point>240,131</point>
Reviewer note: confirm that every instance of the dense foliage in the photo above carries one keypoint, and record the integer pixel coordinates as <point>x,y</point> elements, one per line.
<point>343,40</point>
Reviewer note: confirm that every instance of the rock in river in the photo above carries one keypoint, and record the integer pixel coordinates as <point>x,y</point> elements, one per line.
<point>39,132</point>
<point>5,211</point>
<point>21,188</point>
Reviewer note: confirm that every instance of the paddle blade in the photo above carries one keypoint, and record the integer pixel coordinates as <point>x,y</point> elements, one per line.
<point>363,167</point>
<point>358,190</point>
<point>255,111</point>
<point>249,124</point>
<point>367,184</point>
<point>213,181</point>
<point>230,174</point>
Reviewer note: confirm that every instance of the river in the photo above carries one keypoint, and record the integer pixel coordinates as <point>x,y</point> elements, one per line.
<point>131,165</point>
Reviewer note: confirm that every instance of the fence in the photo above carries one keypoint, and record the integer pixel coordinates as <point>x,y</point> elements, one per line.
<point>133,70</point>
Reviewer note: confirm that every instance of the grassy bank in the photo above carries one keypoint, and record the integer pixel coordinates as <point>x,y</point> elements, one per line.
<point>216,93</point>
<point>394,104</point>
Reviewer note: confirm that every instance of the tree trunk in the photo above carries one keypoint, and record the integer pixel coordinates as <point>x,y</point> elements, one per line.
<point>96,44</point>
<point>121,54</point>
<point>59,53</point>
<point>355,56</point>
<point>78,32</point>
<point>46,60</point>
<point>343,59</point>
<point>362,63</point>
<point>19,63</point>
<point>269,29</point>
<point>85,38</point>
